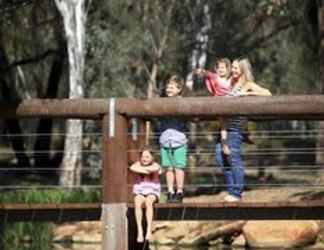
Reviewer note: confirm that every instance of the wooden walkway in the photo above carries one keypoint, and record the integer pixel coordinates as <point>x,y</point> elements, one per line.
<point>166,211</point>
<point>49,212</point>
<point>241,211</point>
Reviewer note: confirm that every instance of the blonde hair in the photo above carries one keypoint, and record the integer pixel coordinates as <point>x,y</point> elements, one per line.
<point>246,70</point>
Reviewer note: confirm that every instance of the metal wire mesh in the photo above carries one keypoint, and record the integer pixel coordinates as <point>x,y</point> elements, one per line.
<point>276,154</point>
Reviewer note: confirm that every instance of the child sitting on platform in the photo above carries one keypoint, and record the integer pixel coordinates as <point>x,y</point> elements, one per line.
<point>147,189</point>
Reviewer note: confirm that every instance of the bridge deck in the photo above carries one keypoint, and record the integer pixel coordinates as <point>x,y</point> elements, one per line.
<point>164,211</point>
<point>49,212</point>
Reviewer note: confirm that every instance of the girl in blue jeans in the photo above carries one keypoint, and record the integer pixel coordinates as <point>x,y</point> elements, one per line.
<point>228,150</point>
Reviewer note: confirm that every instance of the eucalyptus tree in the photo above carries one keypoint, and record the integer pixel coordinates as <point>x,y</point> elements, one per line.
<point>74,13</point>
<point>319,27</point>
<point>30,42</point>
<point>201,25</point>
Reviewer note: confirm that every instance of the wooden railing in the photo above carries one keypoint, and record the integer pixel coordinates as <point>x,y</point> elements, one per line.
<point>115,115</point>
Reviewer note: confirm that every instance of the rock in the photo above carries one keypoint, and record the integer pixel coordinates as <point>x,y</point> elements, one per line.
<point>171,232</point>
<point>283,234</point>
<point>86,237</point>
<point>316,246</point>
<point>209,231</point>
<point>64,232</point>
<point>81,246</point>
<point>161,238</point>
<point>215,242</point>
<point>239,242</point>
<point>86,231</point>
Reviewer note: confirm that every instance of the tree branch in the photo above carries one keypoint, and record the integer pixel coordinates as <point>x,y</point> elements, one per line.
<point>34,59</point>
<point>263,39</point>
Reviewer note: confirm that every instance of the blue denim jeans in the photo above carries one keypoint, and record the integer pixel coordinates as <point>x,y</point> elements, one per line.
<point>232,165</point>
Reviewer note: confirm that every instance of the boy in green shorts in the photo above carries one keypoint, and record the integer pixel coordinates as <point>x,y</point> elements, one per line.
<point>173,142</point>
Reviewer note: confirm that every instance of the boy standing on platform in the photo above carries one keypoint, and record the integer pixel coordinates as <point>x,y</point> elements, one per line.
<point>173,143</point>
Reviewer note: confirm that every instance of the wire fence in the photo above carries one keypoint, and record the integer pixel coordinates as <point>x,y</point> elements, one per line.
<point>285,157</point>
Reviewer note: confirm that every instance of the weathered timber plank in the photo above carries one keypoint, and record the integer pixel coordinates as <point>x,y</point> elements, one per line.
<point>274,107</point>
<point>164,211</point>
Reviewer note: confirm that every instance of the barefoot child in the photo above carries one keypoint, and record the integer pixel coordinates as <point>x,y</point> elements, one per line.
<point>147,189</point>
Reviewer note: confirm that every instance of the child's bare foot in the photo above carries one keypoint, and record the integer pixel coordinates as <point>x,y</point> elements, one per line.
<point>140,237</point>
<point>148,236</point>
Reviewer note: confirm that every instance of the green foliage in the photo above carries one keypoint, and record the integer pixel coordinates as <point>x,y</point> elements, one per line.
<point>50,196</point>
<point>123,38</point>
<point>28,38</point>
<point>39,234</point>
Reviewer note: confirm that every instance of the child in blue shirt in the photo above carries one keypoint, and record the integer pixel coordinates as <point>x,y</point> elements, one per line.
<point>173,143</point>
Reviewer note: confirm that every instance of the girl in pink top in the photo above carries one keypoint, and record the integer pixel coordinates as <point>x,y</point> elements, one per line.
<point>219,83</point>
<point>147,189</point>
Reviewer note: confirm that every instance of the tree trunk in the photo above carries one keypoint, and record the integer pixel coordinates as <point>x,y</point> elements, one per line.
<point>198,55</point>
<point>13,126</point>
<point>74,17</point>
<point>320,140</point>
<point>44,128</point>
<point>198,59</point>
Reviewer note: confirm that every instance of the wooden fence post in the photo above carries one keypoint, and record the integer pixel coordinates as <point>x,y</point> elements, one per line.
<point>114,210</point>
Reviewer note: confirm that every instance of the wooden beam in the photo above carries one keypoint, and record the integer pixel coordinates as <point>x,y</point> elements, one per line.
<point>275,107</point>
<point>56,108</point>
<point>49,212</point>
<point>238,211</point>
<point>165,211</point>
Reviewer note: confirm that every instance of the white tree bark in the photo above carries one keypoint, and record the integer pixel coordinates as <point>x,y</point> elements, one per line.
<point>198,59</point>
<point>74,15</point>
<point>198,55</point>
<point>20,83</point>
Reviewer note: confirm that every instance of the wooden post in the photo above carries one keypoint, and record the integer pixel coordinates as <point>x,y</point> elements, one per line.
<point>114,208</point>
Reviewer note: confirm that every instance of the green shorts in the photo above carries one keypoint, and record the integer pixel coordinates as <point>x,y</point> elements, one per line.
<point>174,157</point>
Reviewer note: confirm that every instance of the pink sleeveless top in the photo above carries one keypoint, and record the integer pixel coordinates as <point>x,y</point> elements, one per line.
<point>147,184</point>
